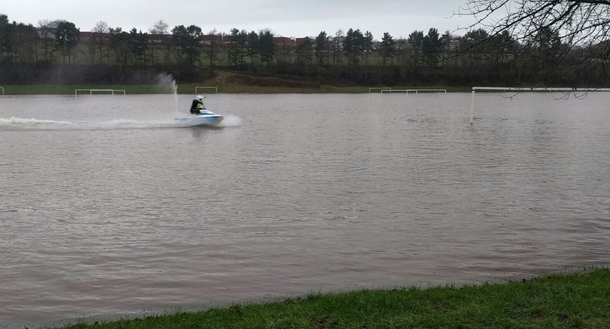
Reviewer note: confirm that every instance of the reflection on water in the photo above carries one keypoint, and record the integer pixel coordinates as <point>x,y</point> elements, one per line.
<point>108,210</point>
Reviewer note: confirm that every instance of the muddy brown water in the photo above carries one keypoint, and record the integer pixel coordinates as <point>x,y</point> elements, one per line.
<point>108,210</point>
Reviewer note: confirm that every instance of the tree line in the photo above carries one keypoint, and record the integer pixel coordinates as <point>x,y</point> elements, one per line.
<point>476,57</point>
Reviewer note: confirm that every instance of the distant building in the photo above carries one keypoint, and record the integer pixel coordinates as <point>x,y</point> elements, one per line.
<point>209,38</point>
<point>160,38</point>
<point>85,36</point>
<point>284,43</point>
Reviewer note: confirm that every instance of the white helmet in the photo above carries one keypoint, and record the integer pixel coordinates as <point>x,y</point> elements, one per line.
<point>199,98</point>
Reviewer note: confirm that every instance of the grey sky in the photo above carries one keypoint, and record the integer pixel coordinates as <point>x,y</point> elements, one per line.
<point>292,18</point>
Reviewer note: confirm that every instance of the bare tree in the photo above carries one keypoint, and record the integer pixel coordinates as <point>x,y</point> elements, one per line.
<point>158,32</point>
<point>46,30</point>
<point>401,51</point>
<point>160,27</point>
<point>100,36</point>
<point>212,46</point>
<point>337,46</point>
<point>551,27</point>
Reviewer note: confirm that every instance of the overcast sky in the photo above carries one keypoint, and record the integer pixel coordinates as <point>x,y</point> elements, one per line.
<point>291,18</point>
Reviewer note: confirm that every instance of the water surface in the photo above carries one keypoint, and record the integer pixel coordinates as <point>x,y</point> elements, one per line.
<point>107,209</point>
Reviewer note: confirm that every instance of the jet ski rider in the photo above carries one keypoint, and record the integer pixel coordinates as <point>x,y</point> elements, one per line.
<point>197,105</point>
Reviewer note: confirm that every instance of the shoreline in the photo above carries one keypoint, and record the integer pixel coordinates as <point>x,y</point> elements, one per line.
<point>572,299</point>
<point>189,89</point>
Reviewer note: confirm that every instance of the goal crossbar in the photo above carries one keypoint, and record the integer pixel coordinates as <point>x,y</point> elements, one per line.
<point>390,90</point>
<point>215,89</point>
<point>406,91</point>
<point>91,91</point>
<point>529,89</point>
<point>433,90</point>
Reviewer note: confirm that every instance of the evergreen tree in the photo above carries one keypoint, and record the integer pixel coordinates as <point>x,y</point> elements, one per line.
<point>267,46</point>
<point>353,45</point>
<point>367,46</point>
<point>119,43</point>
<point>66,38</point>
<point>388,48</point>
<point>416,41</point>
<point>322,47</point>
<point>138,44</point>
<point>432,45</point>
<point>6,39</point>
<point>253,46</point>
<point>188,40</point>
<point>304,52</point>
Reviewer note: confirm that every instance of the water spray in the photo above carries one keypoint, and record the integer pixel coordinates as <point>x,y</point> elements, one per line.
<point>168,82</point>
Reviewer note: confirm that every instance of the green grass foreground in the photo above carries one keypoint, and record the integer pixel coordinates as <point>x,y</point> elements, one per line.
<point>580,300</point>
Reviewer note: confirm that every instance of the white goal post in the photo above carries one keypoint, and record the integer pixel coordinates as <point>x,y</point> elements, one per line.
<point>390,91</point>
<point>214,88</point>
<point>517,89</point>
<point>444,91</point>
<point>385,90</point>
<point>91,91</point>
<point>2,88</point>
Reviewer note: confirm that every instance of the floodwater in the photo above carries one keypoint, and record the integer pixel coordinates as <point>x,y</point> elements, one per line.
<point>108,210</point>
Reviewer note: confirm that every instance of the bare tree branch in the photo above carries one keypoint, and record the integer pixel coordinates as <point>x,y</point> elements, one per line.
<point>549,30</point>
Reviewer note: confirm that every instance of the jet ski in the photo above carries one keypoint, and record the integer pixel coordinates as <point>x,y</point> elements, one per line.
<point>204,118</point>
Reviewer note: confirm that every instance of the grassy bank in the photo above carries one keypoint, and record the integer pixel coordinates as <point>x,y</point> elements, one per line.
<point>236,82</point>
<point>224,82</point>
<point>69,89</point>
<point>580,300</point>
<point>233,88</point>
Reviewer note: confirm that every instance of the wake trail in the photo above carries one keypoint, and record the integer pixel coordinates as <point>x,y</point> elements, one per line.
<point>16,123</point>
<point>132,124</point>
